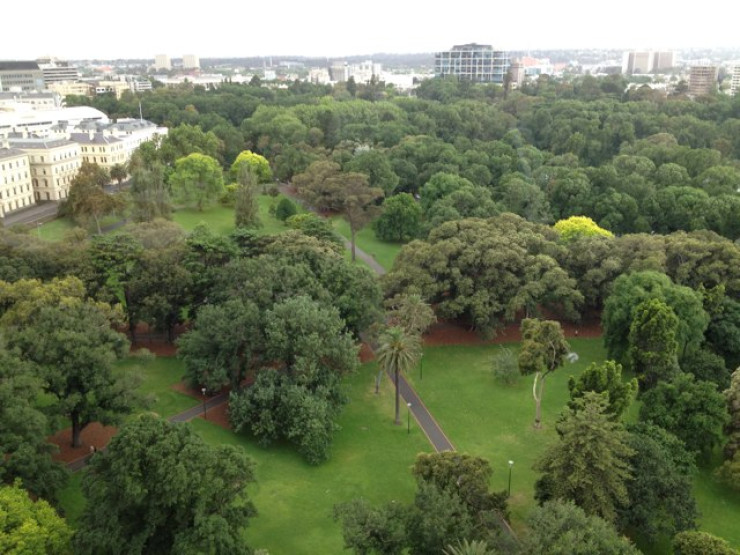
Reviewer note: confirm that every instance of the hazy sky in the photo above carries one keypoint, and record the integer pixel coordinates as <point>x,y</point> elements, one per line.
<point>217,28</point>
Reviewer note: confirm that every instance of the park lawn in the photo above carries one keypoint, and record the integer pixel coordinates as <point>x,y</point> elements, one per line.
<point>719,506</point>
<point>221,218</point>
<point>158,376</point>
<point>55,230</point>
<point>370,458</point>
<point>384,253</point>
<point>72,500</point>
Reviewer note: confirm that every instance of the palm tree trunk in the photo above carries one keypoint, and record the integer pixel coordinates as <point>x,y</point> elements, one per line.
<point>398,412</point>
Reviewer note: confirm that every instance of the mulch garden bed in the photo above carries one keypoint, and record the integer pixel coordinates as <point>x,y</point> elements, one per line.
<point>94,435</point>
<point>219,415</point>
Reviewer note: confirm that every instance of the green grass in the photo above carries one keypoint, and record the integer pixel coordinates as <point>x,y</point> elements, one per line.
<point>158,376</point>
<point>55,229</point>
<point>221,219</point>
<point>71,499</point>
<point>718,505</point>
<point>371,458</point>
<point>384,253</point>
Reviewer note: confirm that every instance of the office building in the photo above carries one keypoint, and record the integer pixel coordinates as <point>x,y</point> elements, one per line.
<point>735,80</point>
<point>162,61</point>
<point>702,80</point>
<point>649,61</point>
<point>20,77</point>
<point>16,191</point>
<point>473,62</point>
<point>190,61</point>
<point>57,71</point>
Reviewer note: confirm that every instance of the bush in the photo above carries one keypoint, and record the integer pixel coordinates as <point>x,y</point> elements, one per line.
<point>228,198</point>
<point>505,366</point>
<point>700,543</point>
<point>285,209</point>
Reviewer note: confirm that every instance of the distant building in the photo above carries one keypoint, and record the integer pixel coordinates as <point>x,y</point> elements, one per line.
<point>162,61</point>
<point>516,74</point>
<point>339,71</point>
<point>57,71</point>
<point>473,62</point>
<point>735,80</point>
<point>364,72</point>
<point>31,100</point>
<point>54,162</point>
<point>649,61</point>
<point>113,143</point>
<point>78,88</point>
<point>16,190</point>
<point>190,61</point>
<point>20,77</point>
<point>702,80</point>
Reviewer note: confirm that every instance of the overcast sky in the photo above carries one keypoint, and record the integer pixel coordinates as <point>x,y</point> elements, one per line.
<point>217,28</point>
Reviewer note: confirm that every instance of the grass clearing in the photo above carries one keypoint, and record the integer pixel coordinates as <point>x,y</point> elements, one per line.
<point>384,253</point>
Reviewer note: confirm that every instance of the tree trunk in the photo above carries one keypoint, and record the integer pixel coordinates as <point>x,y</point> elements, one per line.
<point>398,412</point>
<point>538,380</point>
<point>76,430</point>
<point>352,241</point>
<point>97,224</point>
<point>377,381</point>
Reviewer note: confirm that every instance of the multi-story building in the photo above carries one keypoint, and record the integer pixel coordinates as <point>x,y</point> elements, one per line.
<point>473,62</point>
<point>77,88</point>
<point>20,77</point>
<point>32,100</point>
<point>101,148</point>
<point>16,190</point>
<point>162,61</point>
<point>57,71</point>
<point>735,80</point>
<point>45,122</point>
<point>54,162</point>
<point>339,71</point>
<point>702,80</point>
<point>190,61</point>
<point>649,61</point>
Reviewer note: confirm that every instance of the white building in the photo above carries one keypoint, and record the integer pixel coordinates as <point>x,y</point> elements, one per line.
<point>190,61</point>
<point>54,162</point>
<point>162,61</point>
<point>734,79</point>
<point>45,122</point>
<point>16,191</point>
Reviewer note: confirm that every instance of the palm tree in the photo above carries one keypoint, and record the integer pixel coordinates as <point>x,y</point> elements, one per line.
<point>411,313</point>
<point>398,352</point>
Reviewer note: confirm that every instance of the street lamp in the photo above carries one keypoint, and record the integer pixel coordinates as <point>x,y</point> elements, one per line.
<point>408,418</point>
<point>203,391</point>
<point>511,463</point>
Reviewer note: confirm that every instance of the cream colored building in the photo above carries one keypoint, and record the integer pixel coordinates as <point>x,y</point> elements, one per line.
<point>162,61</point>
<point>115,87</point>
<point>77,88</point>
<point>735,80</point>
<point>190,61</point>
<point>101,148</point>
<point>16,190</point>
<point>54,162</point>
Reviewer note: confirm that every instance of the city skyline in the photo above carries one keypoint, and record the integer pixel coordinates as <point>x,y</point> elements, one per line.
<point>330,29</point>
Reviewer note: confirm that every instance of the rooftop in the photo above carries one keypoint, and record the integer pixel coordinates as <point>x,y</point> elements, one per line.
<point>12,65</point>
<point>96,139</point>
<point>10,153</point>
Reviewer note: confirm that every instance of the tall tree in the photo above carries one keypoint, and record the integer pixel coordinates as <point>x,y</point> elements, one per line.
<point>87,197</point>
<point>542,352</point>
<point>159,488</point>
<point>732,428</point>
<point>590,464</point>
<point>398,352</point>
<point>197,180</point>
<point>149,193</point>
<point>606,379</point>
<point>653,348</point>
<point>119,173</point>
<point>358,206</point>
<point>251,163</point>
<point>247,207</point>
<point>400,220</point>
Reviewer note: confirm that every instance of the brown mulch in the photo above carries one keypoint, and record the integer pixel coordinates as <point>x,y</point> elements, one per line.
<point>219,415</point>
<point>366,353</point>
<point>156,342</point>
<point>453,332</point>
<point>94,434</point>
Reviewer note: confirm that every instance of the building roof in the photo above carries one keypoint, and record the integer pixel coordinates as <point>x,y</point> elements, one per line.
<point>10,153</point>
<point>12,65</point>
<point>96,139</point>
<point>36,143</point>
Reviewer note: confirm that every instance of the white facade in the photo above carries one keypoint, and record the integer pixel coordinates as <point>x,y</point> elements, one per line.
<point>54,162</point>
<point>162,61</point>
<point>16,191</point>
<point>190,61</point>
<point>735,80</point>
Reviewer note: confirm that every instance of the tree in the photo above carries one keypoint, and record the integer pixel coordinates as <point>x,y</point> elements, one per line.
<point>28,526</point>
<point>285,209</point>
<point>400,220</point>
<point>223,344</point>
<point>563,527</point>
<point>732,428</point>
<point>87,197</point>
<point>251,163</point>
<point>694,411</point>
<point>410,313</point>
<point>159,488</point>
<point>398,352</point>
<point>653,348</point>
<point>701,543</point>
<point>23,429</point>
<point>358,206</point>
<point>605,379</point>
<point>542,352</point>
<point>119,173</point>
<point>183,140</point>
<point>197,180</point>
<point>661,497</point>
<point>150,194</point>
<point>579,226</point>
<point>247,210</point>
<point>590,464</point>
<point>368,529</point>
<point>74,347</point>
<point>436,519</point>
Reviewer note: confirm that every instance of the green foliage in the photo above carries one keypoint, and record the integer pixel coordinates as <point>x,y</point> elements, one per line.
<point>563,527</point>
<point>87,198</point>
<point>729,472</point>
<point>30,527</point>
<point>197,180</point>
<point>368,529</point>
<point>246,207</point>
<point>314,226</point>
<point>579,226</point>
<point>605,379</point>
<point>732,429</point>
<point>252,163</point>
<point>150,194</point>
<point>398,351</point>
<point>400,220</point>
<point>505,366</point>
<point>653,348</point>
<point>190,497</point>
<point>692,410</point>
<point>701,543</point>
<point>285,209</point>
<point>436,519</point>
<point>661,497</point>
<point>590,465</point>
<point>410,313</point>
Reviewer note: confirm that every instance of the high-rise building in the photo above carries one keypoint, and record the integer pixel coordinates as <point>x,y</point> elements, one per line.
<point>57,71</point>
<point>735,80</point>
<point>162,61</point>
<point>190,61</point>
<point>21,77</point>
<point>473,62</point>
<point>702,80</point>
<point>651,61</point>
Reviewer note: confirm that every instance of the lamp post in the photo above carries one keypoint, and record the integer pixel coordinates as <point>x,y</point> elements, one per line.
<point>511,463</point>
<point>203,391</point>
<point>408,418</point>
